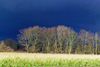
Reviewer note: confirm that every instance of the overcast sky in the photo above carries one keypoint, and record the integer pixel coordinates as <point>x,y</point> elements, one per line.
<point>19,14</point>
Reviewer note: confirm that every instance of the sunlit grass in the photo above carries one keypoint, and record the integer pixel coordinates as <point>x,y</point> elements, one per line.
<point>48,60</point>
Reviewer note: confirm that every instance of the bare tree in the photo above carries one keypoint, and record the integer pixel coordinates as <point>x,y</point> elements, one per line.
<point>61,37</point>
<point>72,36</point>
<point>96,43</point>
<point>28,37</point>
<point>83,37</point>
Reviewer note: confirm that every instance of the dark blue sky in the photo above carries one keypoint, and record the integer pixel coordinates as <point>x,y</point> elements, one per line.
<point>19,14</point>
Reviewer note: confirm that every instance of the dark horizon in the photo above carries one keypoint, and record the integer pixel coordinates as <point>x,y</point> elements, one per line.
<point>16,15</point>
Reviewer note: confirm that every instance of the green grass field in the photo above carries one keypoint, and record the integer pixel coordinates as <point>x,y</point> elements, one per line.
<point>48,60</point>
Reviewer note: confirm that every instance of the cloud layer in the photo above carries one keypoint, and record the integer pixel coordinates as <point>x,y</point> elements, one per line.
<point>18,14</point>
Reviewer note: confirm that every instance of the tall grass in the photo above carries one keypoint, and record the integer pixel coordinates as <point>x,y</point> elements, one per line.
<point>48,60</point>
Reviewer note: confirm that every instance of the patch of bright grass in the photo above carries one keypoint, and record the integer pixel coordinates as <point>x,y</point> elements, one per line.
<point>19,62</point>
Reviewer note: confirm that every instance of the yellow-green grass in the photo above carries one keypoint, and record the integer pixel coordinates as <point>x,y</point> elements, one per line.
<point>48,60</point>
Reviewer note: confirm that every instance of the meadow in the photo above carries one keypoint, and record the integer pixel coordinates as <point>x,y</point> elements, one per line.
<point>48,60</point>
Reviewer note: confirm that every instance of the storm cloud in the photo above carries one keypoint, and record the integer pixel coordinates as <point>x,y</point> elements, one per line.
<point>19,14</point>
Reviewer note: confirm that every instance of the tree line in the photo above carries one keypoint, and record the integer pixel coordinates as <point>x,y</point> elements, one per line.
<point>60,39</point>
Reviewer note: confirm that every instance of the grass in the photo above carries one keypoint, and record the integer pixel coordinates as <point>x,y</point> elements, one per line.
<point>48,60</point>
